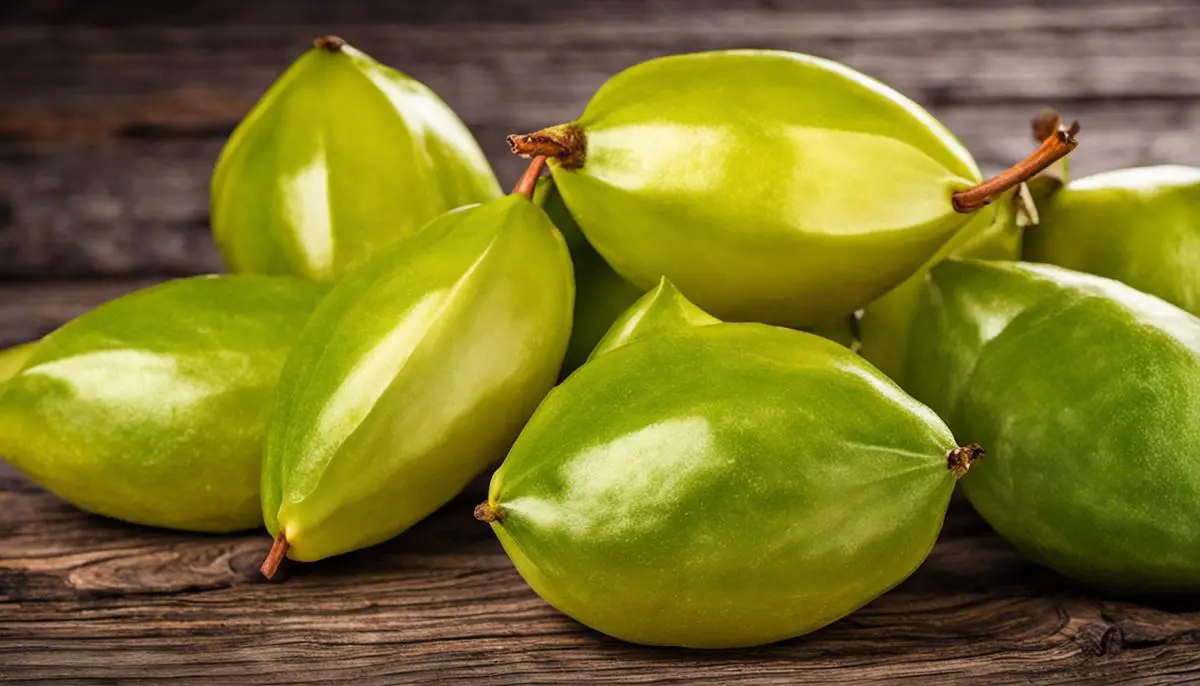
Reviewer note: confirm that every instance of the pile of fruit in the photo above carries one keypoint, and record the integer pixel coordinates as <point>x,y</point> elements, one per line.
<point>688,463</point>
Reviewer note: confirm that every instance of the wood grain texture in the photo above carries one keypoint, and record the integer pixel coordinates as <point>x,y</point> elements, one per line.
<point>83,597</point>
<point>109,129</point>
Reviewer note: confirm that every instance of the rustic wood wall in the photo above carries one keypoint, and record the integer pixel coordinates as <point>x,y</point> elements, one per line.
<point>112,114</point>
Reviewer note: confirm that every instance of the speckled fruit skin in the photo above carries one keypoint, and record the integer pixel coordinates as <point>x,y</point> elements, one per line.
<point>720,485</point>
<point>152,408</point>
<point>414,375</point>
<point>1139,226</point>
<point>601,295</point>
<point>768,186</point>
<point>342,158</point>
<point>1087,396</point>
<point>992,234</point>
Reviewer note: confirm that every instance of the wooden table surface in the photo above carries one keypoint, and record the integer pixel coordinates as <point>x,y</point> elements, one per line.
<point>111,117</point>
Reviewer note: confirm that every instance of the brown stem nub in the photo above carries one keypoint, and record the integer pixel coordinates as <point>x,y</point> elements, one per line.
<point>564,143</point>
<point>329,43</point>
<point>959,460</point>
<point>529,179</point>
<point>278,550</point>
<point>1053,148</point>
<point>484,512</point>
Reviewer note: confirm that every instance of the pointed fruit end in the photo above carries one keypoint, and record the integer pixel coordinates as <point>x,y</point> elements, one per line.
<point>959,460</point>
<point>484,512</point>
<point>329,43</point>
<point>275,556</point>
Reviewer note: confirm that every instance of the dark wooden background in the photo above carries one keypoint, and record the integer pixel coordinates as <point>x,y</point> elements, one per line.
<point>111,116</point>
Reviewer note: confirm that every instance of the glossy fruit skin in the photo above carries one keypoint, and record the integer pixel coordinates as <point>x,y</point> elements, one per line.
<point>1139,226</point>
<point>152,408</point>
<point>992,234</point>
<point>1087,394</point>
<point>719,486</point>
<point>342,158</point>
<point>14,358</point>
<point>601,295</point>
<point>662,310</point>
<point>753,180</point>
<point>414,375</point>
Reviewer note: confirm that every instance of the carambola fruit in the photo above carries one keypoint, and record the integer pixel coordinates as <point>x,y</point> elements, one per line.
<point>340,159</point>
<point>1139,226</point>
<point>1086,393</point>
<point>152,408</point>
<point>414,375</point>
<point>768,186</point>
<point>721,485</point>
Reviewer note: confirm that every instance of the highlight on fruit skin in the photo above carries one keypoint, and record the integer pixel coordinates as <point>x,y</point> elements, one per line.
<point>167,391</point>
<point>414,375</point>
<point>684,485</point>
<point>339,160</point>
<point>752,181</point>
<point>1086,393</point>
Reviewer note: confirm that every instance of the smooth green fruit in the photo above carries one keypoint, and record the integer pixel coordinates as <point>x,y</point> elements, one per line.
<point>413,376</point>
<point>601,295</point>
<point>152,408</point>
<point>1139,226</point>
<point>1087,394</point>
<point>662,310</point>
<point>768,186</point>
<point>342,158</point>
<point>721,485</point>
<point>992,234</point>
<point>13,359</point>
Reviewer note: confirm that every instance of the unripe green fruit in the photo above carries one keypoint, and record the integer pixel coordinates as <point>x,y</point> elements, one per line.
<point>342,158</point>
<point>152,408</point>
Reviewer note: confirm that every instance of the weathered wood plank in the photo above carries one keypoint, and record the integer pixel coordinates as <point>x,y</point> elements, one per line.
<point>87,598</point>
<point>111,133</point>
<point>138,206</point>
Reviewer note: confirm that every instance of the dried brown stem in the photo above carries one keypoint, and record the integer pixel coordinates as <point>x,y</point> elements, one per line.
<point>959,460</point>
<point>529,179</point>
<point>329,43</point>
<point>484,512</point>
<point>565,143</point>
<point>278,550</point>
<point>1055,147</point>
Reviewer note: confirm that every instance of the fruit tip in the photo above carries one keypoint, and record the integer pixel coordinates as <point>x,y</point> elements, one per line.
<point>329,43</point>
<point>959,460</point>
<point>484,512</point>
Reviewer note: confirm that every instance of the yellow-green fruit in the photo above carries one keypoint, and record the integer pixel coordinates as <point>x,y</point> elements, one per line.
<point>342,158</point>
<point>414,375</point>
<point>768,186</point>
<point>152,408</point>
<point>1139,226</point>
<point>715,485</point>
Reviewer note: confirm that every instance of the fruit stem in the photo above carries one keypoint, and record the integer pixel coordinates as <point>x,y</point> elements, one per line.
<point>278,550</point>
<point>564,142</point>
<point>529,179</point>
<point>329,43</point>
<point>959,460</point>
<point>1056,146</point>
<point>484,512</point>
